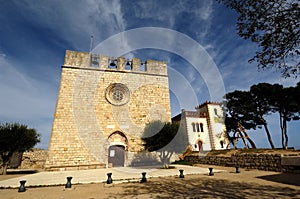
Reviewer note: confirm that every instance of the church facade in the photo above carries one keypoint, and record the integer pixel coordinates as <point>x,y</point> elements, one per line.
<point>102,107</point>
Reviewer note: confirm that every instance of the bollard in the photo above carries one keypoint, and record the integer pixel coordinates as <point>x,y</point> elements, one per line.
<point>181,173</point>
<point>68,185</point>
<point>211,173</point>
<point>144,179</point>
<point>22,186</point>
<point>237,169</point>
<point>109,179</point>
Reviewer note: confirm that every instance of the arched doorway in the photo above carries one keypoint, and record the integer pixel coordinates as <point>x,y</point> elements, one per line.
<point>200,146</point>
<point>116,151</point>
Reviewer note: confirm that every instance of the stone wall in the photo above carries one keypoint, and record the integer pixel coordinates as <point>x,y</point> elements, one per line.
<point>267,162</point>
<point>34,159</point>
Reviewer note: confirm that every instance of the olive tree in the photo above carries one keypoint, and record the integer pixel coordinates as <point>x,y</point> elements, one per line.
<point>15,138</point>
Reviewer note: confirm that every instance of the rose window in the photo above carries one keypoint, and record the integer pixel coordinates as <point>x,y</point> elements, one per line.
<point>117,94</point>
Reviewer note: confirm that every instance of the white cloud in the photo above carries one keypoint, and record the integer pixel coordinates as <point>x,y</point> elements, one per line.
<point>26,100</point>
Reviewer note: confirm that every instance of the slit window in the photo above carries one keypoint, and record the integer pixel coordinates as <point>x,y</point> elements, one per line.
<point>201,127</point>
<point>194,127</point>
<point>198,127</point>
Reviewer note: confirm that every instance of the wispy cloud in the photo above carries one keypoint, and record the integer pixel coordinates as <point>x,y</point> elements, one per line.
<point>25,100</point>
<point>34,36</point>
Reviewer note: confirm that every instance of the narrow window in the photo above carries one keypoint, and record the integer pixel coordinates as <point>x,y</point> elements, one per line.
<point>201,127</point>
<point>198,129</point>
<point>194,127</point>
<point>216,112</point>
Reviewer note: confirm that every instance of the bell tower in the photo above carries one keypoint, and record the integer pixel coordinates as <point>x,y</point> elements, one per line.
<point>102,107</point>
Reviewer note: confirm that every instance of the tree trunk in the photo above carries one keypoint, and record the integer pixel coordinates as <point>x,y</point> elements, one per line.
<point>6,157</point>
<point>250,140</point>
<point>285,133</point>
<point>3,169</point>
<point>269,136</point>
<point>244,140</point>
<point>165,158</point>
<point>281,127</point>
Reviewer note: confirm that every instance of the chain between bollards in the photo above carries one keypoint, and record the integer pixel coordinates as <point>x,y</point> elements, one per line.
<point>22,186</point>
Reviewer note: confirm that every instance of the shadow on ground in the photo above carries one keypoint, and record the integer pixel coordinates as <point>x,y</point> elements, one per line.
<point>285,178</point>
<point>207,187</point>
<point>21,171</point>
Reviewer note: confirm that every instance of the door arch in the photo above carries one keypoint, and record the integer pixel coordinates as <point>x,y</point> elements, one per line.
<point>116,151</point>
<point>200,145</point>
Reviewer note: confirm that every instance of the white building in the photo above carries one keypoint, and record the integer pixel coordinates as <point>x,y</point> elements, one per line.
<point>205,127</point>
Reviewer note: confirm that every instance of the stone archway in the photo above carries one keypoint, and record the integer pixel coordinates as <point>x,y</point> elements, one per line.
<point>117,147</point>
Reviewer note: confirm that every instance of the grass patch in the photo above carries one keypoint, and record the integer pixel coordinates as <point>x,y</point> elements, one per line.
<point>183,162</point>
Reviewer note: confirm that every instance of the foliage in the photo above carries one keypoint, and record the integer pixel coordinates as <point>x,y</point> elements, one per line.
<point>275,26</point>
<point>183,162</point>
<point>286,102</point>
<point>164,138</point>
<point>249,108</point>
<point>15,138</point>
<point>239,110</point>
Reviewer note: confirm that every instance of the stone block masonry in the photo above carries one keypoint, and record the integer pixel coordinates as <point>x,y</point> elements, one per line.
<point>267,162</point>
<point>104,101</point>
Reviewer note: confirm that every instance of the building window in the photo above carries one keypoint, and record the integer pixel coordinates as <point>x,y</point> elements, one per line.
<point>143,67</point>
<point>128,65</point>
<point>196,146</point>
<point>216,112</point>
<point>95,60</point>
<point>194,127</point>
<point>112,63</point>
<point>201,127</point>
<point>198,127</point>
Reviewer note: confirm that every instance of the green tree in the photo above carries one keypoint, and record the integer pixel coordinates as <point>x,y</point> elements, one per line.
<point>249,108</point>
<point>237,105</point>
<point>275,26</point>
<point>261,95</point>
<point>166,139</point>
<point>286,102</point>
<point>15,138</point>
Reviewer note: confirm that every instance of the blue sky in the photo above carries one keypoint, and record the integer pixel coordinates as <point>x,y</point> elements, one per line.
<point>34,35</point>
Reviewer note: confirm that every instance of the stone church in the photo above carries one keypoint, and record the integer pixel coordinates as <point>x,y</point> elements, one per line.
<point>102,107</point>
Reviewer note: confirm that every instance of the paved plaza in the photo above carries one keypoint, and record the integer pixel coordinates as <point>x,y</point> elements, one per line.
<point>119,174</point>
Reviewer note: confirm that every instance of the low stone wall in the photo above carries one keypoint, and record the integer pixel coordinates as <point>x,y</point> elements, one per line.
<point>34,159</point>
<point>267,162</point>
